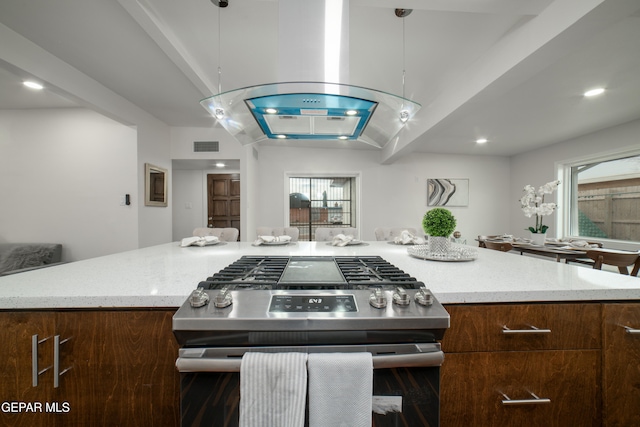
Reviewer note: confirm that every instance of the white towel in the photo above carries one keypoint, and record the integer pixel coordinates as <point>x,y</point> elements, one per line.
<point>340,389</point>
<point>271,239</point>
<point>341,240</point>
<point>199,241</point>
<point>273,389</point>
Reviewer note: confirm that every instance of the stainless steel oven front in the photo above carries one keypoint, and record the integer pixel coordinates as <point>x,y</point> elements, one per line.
<point>399,324</point>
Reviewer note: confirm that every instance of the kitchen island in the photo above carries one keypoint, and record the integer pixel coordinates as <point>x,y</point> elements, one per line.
<point>164,275</point>
<point>532,342</point>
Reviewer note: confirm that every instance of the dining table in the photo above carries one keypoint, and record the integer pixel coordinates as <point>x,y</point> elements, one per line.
<point>558,250</point>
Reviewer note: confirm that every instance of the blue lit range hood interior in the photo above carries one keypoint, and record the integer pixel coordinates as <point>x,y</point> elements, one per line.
<point>310,111</point>
<point>311,115</point>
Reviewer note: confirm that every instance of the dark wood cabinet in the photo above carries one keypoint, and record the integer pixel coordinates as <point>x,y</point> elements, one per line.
<point>621,367</point>
<point>545,388</point>
<point>18,330</point>
<point>522,364</point>
<point>115,368</point>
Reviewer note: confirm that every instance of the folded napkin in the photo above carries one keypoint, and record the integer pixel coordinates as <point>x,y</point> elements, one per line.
<point>582,244</point>
<point>341,240</point>
<point>199,241</point>
<point>340,389</point>
<point>406,238</point>
<point>579,243</point>
<point>273,389</point>
<point>271,239</point>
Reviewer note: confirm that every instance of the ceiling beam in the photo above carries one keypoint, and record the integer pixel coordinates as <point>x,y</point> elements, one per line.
<point>557,31</point>
<point>148,19</point>
<point>21,56</point>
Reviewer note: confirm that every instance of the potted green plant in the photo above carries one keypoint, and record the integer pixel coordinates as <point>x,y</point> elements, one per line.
<point>439,223</point>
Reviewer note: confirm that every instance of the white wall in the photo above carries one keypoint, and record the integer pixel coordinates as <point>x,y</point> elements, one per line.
<point>154,146</point>
<point>392,195</point>
<point>539,166</point>
<point>63,174</point>
<point>182,139</point>
<point>188,202</point>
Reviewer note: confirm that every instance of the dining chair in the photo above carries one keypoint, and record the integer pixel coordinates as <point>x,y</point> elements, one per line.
<point>326,234</point>
<point>622,260</point>
<point>498,246</point>
<point>292,232</point>
<point>228,234</point>
<point>390,233</point>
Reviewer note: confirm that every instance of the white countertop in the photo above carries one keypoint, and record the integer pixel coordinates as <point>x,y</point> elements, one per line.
<point>164,275</point>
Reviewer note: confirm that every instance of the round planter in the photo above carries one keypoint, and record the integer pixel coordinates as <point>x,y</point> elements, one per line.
<point>439,244</point>
<point>538,238</point>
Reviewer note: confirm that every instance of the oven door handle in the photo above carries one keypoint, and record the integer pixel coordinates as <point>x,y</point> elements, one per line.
<point>219,364</point>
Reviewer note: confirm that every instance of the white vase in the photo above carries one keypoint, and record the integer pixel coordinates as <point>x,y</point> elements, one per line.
<point>439,245</point>
<point>538,238</point>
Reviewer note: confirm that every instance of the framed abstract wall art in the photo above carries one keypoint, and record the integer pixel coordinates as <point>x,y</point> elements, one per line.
<point>447,192</point>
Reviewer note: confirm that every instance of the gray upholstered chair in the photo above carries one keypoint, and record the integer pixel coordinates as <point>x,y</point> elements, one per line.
<point>292,232</point>
<point>224,234</point>
<point>390,233</point>
<point>326,234</point>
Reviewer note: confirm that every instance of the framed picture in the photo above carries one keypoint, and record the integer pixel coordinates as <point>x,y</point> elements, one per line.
<point>447,192</point>
<point>155,186</point>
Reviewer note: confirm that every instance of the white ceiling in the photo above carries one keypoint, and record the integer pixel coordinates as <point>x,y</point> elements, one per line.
<point>510,70</point>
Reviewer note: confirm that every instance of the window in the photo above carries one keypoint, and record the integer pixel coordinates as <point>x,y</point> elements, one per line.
<point>604,198</point>
<point>321,202</point>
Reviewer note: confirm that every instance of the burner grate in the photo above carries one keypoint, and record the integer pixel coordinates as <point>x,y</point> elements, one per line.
<point>265,272</point>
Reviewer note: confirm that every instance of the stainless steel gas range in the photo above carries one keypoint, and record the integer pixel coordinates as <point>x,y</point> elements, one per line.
<point>311,304</point>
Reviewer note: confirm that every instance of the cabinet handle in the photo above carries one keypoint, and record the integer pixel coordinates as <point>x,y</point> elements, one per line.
<point>632,331</point>
<point>35,373</point>
<point>56,361</point>
<point>535,401</point>
<point>533,330</point>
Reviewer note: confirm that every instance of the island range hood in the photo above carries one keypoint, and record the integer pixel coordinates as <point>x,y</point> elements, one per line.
<point>311,109</point>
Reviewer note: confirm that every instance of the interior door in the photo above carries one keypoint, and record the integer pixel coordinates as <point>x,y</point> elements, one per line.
<point>224,200</point>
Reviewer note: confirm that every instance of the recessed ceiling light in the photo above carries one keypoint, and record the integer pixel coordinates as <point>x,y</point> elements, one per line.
<point>343,137</point>
<point>351,112</point>
<point>33,85</point>
<point>481,140</point>
<point>594,92</point>
<point>281,136</point>
<point>220,165</point>
<point>270,111</point>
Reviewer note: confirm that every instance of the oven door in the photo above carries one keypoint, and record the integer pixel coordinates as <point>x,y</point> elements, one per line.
<point>406,382</point>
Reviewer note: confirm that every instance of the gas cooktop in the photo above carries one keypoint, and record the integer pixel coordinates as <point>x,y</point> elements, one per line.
<point>310,272</point>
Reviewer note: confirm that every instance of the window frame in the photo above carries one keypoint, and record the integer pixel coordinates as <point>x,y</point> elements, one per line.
<point>568,204</point>
<point>358,191</point>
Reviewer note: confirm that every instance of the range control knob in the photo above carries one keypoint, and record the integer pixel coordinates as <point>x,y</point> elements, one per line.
<point>198,298</point>
<point>223,299</point>
<point>400,297</point>
<point>377,299</point>
<point>424,297</point>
